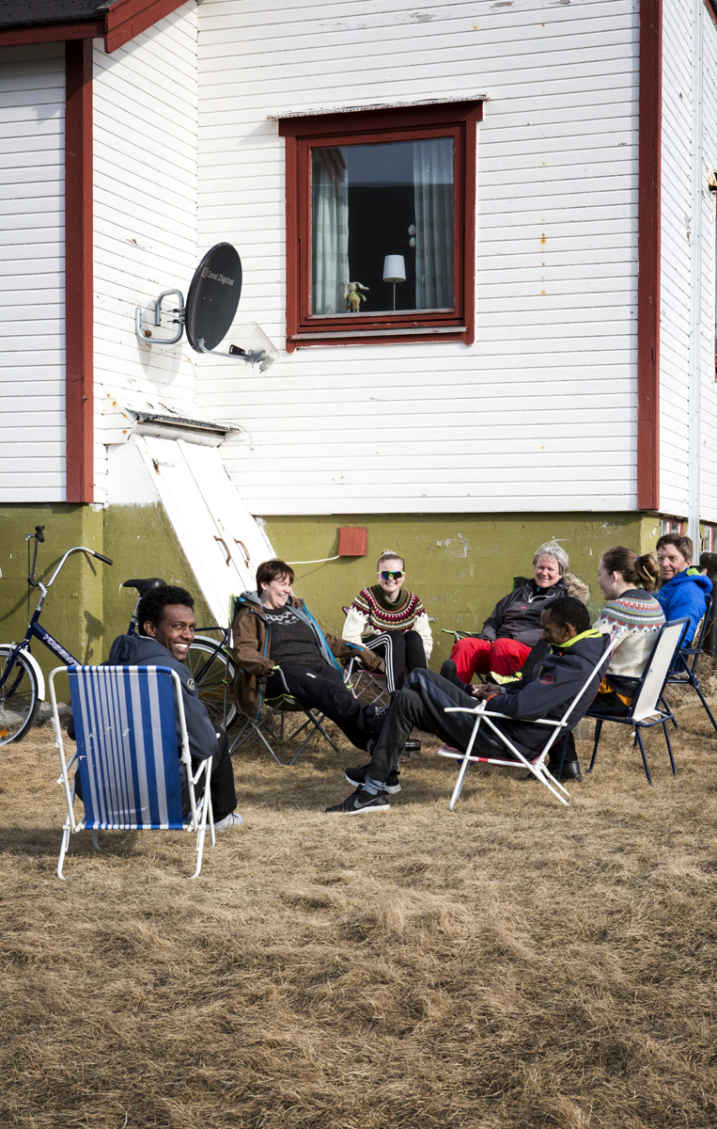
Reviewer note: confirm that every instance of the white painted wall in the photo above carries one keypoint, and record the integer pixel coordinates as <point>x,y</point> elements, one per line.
<point>708,454</point>
<point>677,222</point>
<point>541,411</point>
<point>145,182</point>
<point>681,148</point>
<point>32,274</point>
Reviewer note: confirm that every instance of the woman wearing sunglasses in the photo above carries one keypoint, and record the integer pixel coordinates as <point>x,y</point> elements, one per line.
<point>514,626</point>
<point>391,622</point>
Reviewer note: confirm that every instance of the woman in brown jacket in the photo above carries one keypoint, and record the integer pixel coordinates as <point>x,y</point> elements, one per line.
<point>272,629</point>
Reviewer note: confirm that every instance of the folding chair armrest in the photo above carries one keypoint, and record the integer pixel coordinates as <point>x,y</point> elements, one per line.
<point>456,633</point>
<point>494,713</point>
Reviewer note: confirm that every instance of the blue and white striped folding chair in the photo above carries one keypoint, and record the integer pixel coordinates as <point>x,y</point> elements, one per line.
<point>131,736</point>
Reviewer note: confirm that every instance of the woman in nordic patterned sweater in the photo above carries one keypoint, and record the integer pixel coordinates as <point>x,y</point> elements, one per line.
<point>627,582</point>
<point>391,622</point>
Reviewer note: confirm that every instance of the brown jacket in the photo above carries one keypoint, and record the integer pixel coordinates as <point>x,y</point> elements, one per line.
<point>252,649</point>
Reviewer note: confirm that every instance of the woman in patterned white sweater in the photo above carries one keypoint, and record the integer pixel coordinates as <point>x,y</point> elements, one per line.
<point>627,581</point>
<point>391,622</point>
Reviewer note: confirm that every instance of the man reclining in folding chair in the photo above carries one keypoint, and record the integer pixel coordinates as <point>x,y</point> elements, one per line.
<point>545,690</point>
<point>273,629</point>
<point>165,617</point>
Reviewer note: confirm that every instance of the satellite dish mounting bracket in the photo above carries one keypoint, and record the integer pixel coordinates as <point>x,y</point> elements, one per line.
<point>145,333</point>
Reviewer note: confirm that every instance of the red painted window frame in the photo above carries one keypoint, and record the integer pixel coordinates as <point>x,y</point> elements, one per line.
<point>455,119</point>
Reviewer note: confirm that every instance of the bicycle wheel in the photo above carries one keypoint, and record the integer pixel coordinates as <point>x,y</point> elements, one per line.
<point>214,673</point>
<point>18,695</point>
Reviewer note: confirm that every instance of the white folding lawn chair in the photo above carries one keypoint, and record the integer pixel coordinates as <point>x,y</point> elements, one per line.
<point>649,708</point>
<point>556,729</point>
<point>131,736</point>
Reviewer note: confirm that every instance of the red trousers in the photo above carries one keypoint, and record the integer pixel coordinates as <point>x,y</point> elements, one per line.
<point>504,656</point>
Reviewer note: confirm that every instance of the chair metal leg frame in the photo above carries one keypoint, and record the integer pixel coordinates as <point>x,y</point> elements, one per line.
<point>638,727</point>
<point>312,719</point>
<point>538,769</point>
<point>696,686</point>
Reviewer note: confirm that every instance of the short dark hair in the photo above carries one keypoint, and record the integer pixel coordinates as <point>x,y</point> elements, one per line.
<point>682,543</point>
<point>151,607</point>
<point>271,570</point>
<point>567,610</point>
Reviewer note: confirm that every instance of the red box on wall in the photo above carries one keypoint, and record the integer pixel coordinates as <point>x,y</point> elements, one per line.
<point>353,541</point>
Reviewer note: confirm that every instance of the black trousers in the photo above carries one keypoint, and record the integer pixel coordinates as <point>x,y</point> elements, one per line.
<point>223,793</point>
<point>421,705</point>
<point>322,688</point>
<point>402,652</point>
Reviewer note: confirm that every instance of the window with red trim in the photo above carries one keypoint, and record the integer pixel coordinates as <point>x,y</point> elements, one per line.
<point>381,225</point>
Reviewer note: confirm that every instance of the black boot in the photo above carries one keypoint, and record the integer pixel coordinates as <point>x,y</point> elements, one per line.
<point>449,672</point>
<point>571,770</point>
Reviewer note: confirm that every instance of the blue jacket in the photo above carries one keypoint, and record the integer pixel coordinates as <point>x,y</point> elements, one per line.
<point>685,596</point>
<point>140,650</point>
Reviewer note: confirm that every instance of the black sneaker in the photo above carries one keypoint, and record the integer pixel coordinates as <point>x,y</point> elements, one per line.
<point>356,776</point>
<point>361,801</point>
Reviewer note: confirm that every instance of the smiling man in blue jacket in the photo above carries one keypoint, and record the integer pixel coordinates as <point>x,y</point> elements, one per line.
<point>685,591</point>
<point>165,618</point>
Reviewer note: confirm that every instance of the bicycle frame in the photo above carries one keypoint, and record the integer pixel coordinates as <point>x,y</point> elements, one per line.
<point>34,628</point>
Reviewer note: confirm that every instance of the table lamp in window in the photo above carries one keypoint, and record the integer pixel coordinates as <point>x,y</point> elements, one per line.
<point>394,270</point>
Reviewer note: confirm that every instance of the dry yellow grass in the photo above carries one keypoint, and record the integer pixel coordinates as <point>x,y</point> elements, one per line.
<point>514,965</point>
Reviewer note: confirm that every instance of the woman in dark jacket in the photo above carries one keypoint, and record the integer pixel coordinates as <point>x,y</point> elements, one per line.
<point>513,627</point>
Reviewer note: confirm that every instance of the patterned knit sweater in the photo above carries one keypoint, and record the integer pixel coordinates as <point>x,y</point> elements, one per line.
<point>638,614</point>
<point>371,613</point>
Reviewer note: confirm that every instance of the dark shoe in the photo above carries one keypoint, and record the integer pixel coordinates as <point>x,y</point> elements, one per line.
<point>571,771</point>
<point>356,776</point>
<point>361,801</point>
<point>449,672</point>
<point>412,746</point>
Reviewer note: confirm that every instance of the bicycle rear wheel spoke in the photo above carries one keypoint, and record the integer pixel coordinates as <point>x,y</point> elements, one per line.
<point>18,695</point>
<point>214,673</point>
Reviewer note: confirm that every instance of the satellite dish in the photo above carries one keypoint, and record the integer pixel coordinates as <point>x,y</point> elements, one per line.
<point>213,297</point>
<point>211,305</point>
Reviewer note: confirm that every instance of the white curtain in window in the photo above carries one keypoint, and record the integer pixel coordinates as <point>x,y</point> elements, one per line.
<point>329,231</point>
<point>433,195</point>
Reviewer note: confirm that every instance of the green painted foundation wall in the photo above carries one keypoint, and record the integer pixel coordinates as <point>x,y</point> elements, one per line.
<point>86,606</point>
<point>460,564</point>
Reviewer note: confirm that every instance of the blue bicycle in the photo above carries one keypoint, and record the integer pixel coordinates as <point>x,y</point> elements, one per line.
<point>22,683</point>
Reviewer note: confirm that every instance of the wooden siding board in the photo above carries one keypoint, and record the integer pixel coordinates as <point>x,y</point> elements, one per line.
<point>32,306</point>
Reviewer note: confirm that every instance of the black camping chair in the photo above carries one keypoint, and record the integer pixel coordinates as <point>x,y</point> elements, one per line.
<point>684,672</point>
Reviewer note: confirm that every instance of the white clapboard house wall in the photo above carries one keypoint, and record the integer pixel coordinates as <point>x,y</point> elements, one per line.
<point>548,392</point>
<point>32,267</point>
<point>562,404</point>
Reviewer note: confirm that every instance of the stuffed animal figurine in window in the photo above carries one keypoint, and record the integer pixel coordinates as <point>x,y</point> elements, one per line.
<point>353,296</point>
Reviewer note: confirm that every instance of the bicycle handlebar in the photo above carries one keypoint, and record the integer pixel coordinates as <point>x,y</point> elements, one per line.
<point>76,549</point>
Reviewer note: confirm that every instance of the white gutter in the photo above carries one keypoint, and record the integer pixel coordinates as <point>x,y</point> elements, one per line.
<point>694,485</point>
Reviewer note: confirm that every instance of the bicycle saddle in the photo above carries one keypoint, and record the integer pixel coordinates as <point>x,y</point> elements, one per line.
<point>143,586</point>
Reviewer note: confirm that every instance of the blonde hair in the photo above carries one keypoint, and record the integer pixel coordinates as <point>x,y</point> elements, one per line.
<point>389,555</point>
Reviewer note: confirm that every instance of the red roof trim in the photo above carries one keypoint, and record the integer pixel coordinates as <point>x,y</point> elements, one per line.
<point>52,33</point>
<point>128,18</point>
<point>79,374</point>
<point>649,239</point>
<point>125,20</point>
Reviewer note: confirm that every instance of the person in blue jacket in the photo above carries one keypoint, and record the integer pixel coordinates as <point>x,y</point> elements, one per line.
<point>556,669</point>
<point>165,617</point>
<point>685,591</point>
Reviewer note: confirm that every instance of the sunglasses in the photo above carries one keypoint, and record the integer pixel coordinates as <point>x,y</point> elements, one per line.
<point>391,575</point>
